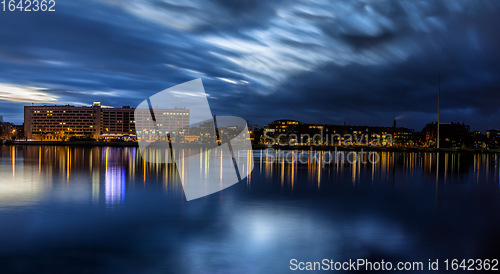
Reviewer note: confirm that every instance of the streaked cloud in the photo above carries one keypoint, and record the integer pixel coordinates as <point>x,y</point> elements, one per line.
<point>363,61</point>
<point>22,94</point>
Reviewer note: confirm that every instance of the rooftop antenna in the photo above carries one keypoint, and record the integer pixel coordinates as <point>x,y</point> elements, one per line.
<point>439,98</point>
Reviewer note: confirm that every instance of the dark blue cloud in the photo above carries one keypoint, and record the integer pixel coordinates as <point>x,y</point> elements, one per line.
<point>362,62</point>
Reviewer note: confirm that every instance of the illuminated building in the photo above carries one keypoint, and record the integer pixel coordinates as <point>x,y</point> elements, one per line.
<point>173,122</point>
<point>10,131</point>
<point>450,134</point>
<point>117,122</point>
<point>282,126</point>
<point>296,133</point>
<point>55,123</point>
<point>62,122</point>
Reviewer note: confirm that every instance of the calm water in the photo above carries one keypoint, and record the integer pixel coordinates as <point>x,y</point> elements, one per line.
<point>70,209</point>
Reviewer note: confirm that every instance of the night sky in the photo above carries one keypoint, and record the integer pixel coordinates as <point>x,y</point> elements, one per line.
<point>364,62</point>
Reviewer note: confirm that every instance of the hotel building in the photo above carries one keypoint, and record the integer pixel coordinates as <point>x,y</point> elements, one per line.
<point>63,122</point>
<point>117,122</point>
<point>168,121</point>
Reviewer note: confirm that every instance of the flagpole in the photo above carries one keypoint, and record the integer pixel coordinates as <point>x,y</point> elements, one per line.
<point>439,98</point>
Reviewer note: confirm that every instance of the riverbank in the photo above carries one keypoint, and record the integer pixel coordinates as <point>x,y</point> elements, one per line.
<point>261,147</point>
<point>71,143</point>
<point>95,143</point>
<point>372,148</point>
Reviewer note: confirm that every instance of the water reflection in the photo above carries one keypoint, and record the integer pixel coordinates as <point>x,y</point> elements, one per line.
<point>114,167</point>
<point>55,201</point>
<point>19,184</point>
<point>27,171</point>
<point>115,185</point>
<point>380,166</point>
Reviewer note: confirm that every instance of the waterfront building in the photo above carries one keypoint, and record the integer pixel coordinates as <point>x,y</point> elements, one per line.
<point>169,122</point>
<point>43,123</point>
<point>56,123</point>
<point>297,133</point>
<point>450,134</point>
<point>117,122</point>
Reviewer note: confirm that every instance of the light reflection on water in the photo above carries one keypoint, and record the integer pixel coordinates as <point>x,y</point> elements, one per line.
<point>55,201</point>
<point>453,166</point>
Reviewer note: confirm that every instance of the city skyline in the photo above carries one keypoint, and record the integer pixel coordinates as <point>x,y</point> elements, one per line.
<point>250,124</point>
<point>360,62</point>
<point>249,136</point>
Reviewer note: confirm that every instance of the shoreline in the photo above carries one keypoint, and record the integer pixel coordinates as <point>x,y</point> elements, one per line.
<point>260,147</point>
<point>371,148</point>
<point>71,143</point>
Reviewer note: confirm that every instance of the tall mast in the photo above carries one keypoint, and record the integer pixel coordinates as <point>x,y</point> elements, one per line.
<point>439,98</point>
